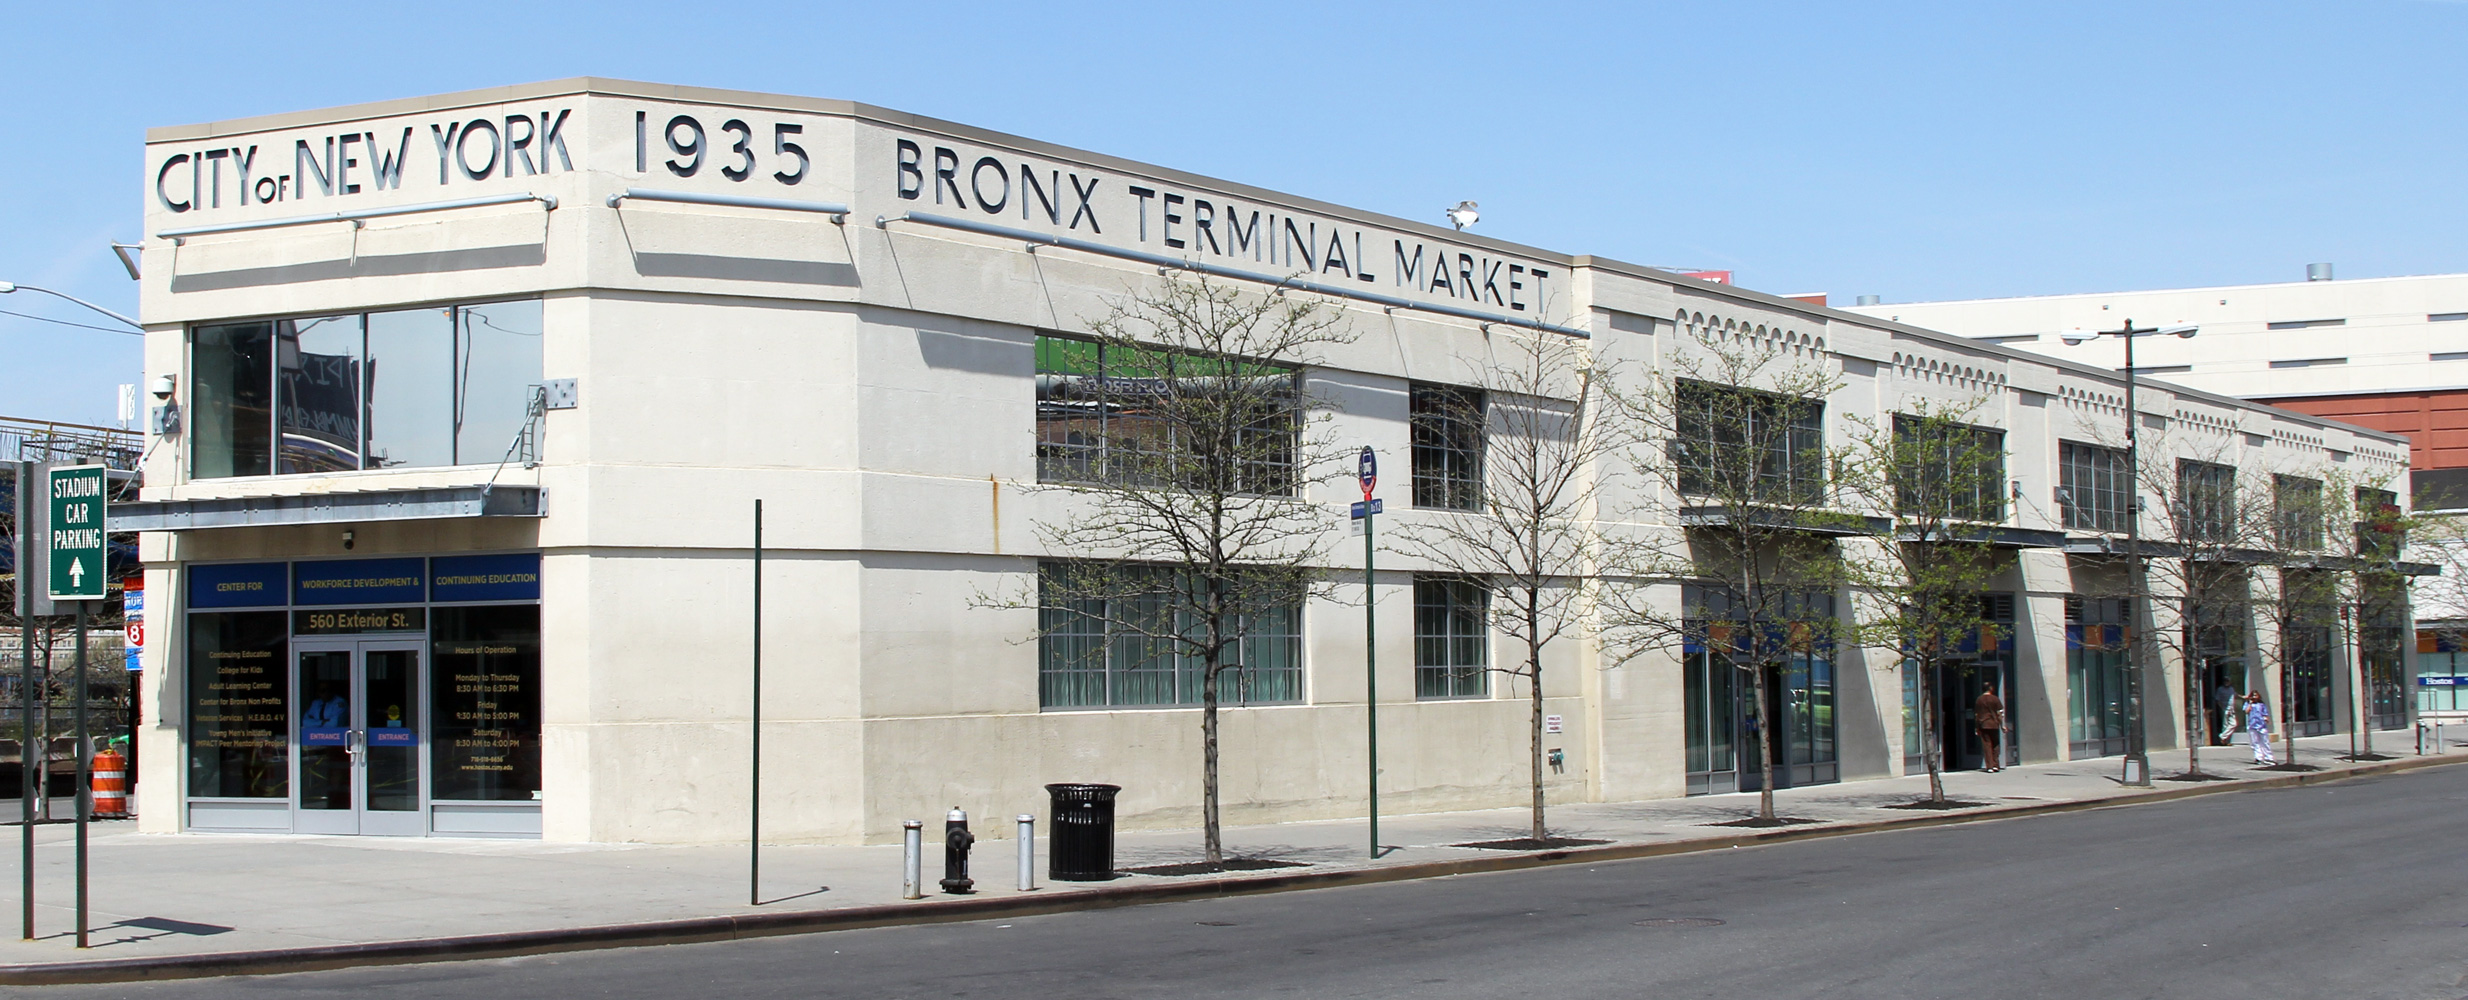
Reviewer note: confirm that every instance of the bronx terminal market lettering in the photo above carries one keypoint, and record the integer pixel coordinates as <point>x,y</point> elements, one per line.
<point>1204,225</point>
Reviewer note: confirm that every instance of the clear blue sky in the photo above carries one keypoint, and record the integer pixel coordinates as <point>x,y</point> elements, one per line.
<point>1915,151</point>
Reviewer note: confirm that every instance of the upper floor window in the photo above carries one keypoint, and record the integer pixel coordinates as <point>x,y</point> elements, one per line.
<point>2206,502</point>
<point>2380,533</point>
<point>446,385</point>
<point>1448,446</point>
<point>2296,513</point>
<point>1136,416</point>
<point>2096,488</point>
<point>1744,444</point>
<point>1950,471</point>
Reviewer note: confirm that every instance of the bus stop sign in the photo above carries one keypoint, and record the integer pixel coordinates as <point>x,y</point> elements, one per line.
<point>75,533</point>
<point>1367,469</point>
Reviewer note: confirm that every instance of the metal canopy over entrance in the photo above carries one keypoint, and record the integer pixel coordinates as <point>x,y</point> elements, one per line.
<point>326,508</point>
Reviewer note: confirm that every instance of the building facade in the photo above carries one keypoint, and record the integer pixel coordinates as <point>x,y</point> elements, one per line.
<point>2386,353</point>
<point>451,527</point>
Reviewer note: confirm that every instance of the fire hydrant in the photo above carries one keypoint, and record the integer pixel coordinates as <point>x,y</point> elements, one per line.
<point>956,842</point>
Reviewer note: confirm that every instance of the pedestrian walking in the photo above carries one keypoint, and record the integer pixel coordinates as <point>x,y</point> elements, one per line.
<point>1988,713</point>
<point>2231,711</point>
<point>2258,727</point>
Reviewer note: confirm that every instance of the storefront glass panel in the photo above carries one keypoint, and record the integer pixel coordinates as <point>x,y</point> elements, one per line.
<point>2095,664</point>
<point>497,362</point>
<point>317,367</point>
<point>231,401</point>
<point>239,718</point>
<point>409,385</point>
<point>486,689</point>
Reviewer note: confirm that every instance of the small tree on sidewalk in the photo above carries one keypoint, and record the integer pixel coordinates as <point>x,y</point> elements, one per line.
<point>1185,445</point>
<point>2221,524</point>
<point>1741,512</point>
<point>1940,478</point>
<point>1519,524</point>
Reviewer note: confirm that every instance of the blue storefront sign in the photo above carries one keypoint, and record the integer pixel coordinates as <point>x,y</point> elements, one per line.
<point>2460,680</point>
<point>391,738</point>
<point>238,585</point>
<point>324,736</point>
<point>513,577</point>
<point>359,581</point>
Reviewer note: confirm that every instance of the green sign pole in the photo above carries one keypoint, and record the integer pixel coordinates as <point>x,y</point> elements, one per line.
<point>76,564</point>
<point>1367,472</point>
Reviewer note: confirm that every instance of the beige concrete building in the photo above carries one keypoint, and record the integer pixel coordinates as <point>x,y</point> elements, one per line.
<point>469,399</point>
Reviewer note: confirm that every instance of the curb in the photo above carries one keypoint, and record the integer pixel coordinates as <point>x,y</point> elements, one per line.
<point>729,928</point>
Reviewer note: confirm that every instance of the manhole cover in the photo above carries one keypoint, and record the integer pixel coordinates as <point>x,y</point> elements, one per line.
<point>1680,922</point>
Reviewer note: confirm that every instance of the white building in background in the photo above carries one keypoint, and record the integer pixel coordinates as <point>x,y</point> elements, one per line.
<point>476,393</point>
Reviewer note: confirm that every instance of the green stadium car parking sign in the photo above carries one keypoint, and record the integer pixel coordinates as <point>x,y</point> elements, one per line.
<point>76,533</point>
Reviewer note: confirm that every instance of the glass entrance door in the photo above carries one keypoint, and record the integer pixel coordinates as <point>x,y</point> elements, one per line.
<point>359,734</point>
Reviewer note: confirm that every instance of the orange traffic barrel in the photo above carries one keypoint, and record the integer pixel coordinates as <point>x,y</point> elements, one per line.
<point>111,785</point>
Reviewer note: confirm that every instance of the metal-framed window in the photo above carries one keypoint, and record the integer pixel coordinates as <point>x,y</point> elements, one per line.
<point>1452,637</point>
<point>1448,446</point>
<point>1114,653</point>
<point>407,388</point>
<point>2296,513</point>
<point>1731,441</point>
<point>2097,486</point>
<point>1956,471</point>
<point>1107,413</point>
<point>2379,531</point>
<point>2206,501</point>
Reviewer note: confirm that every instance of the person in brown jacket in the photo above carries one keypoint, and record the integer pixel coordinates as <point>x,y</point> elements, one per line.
<point>1988,714</point>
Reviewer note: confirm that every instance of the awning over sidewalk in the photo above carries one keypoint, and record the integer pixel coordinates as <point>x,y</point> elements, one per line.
<point>327,508</point>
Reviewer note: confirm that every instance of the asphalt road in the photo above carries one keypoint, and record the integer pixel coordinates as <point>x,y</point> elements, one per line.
<point>2352,889</point>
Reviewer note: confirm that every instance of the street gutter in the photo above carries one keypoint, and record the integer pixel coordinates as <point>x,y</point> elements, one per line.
<point>730,928</point>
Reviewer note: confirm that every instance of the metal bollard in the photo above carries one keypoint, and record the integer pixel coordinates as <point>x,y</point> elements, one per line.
<point>956,842</point>
<point>1028,852</point>
<point>912,877</point>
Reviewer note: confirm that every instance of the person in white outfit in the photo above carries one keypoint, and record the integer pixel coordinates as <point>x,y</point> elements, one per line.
<point>2258,727</point>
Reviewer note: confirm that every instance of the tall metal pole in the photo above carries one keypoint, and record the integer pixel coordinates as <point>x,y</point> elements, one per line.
<point>1371,672</point>
<point>2137,755</point>
<point>85,796</point>
<point>29,744</point>
<point>754,803</point>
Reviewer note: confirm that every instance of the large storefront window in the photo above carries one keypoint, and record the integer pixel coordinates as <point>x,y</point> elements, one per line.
<point>486,683</point>
<point>2306,687</point>
<point>2095,663</point>
<point>239,705</point>
<point>393,695</point>
<point>2442,672</point>
<point>1115,414</point>
<point>2382,640</point>
<point>1723,752</point>
<point>420,387</point>
<point>1119,653</point>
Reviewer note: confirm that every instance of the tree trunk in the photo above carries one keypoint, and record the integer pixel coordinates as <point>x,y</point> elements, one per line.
<point>38,747</point>
<point>1932,743</point>
<point>2365,698</point>
<point>1765,750</point>
<point>1212,834</point>
<point>1533,665</point>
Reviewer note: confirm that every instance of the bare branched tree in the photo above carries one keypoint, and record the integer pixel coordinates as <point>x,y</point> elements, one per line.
<point>1186,438</point>
<point>2220,525</point>
<point>1733,441</point>
<point>1520,525</point>
<point>1940,480</point>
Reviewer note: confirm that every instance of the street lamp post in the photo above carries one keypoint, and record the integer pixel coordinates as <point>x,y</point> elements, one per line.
<point>10,286</point>
<point>2137,751</point>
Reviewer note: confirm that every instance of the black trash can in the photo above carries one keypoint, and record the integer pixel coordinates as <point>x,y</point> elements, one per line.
<point>1080,846</point>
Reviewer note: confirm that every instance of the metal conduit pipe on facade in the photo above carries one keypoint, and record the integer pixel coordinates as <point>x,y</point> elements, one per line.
<point>1221,271</point>
<point>547,203</point>
<point>837,211</point>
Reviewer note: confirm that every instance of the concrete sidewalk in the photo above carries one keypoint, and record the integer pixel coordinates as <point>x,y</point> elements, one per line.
<point>163,903</point>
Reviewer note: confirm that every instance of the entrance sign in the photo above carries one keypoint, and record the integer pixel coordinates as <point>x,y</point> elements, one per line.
<point>75,533</point>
